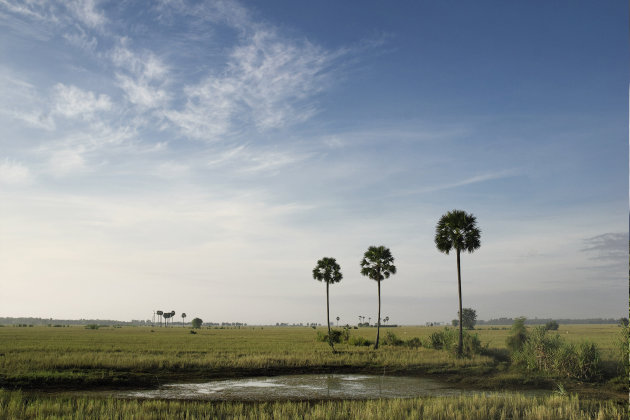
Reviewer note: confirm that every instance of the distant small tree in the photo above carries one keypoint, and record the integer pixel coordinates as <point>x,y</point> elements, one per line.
<point>338,321</point>
<point>172,317</point>
<point>386,319</point>
<point>455,322</point>
<point>623,322</point>
<point>159,314</point>
<point>469,318</point>
<point>196,323</point>
<point>166,316</point>
<point>183,317</point>
<point>551,326</point>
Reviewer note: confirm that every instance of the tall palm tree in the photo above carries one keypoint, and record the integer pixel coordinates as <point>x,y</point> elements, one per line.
<point>338,321</point>
<point>458,230</point>
<point>159,314</point>
<point>183,316</point>
<point>328,270</point>
<point>378,264</point>
<point>172,316</point>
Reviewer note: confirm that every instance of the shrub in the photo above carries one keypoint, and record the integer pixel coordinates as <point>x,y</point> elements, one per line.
<point>551,326</point>
<point>551,355</point>
<point>92,326</point>
<point>518,335</point>
<point>360,341</point>
<point>336,336</point>
<point>414,342</point>
<point>392,340</point>
<point>196,322</point>
<point>538,350</point>
<point>588,361</point>
<point>448,339</point>
<point>439,340</point>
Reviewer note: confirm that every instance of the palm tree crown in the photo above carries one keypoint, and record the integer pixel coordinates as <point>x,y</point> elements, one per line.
<point>457,230</point>
<point>327,270</point>
<point>378,263</point>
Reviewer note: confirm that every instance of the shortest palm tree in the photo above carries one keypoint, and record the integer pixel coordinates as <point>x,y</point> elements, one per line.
<point>328,270</point>
<point>183,317</point>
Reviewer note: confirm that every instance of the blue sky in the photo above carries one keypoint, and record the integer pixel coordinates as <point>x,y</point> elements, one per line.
<point>202,156</point>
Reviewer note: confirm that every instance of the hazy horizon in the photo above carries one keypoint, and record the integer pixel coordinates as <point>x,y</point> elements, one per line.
<point>202,156</point>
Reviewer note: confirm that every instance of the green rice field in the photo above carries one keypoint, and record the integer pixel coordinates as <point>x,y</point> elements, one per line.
<point>38,362</point>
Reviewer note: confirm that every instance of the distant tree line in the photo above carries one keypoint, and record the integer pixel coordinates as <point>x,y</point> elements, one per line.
<point>542,321</point>
<point>82,321</point>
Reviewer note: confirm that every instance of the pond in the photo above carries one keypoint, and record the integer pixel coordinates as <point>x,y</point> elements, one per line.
<point>306,387</point>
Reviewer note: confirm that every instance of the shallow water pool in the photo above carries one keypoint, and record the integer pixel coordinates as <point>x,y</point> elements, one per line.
<point>306,387</point>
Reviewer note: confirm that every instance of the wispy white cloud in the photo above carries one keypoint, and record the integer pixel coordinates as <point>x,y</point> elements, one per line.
<point>268,82</point>
<point>70,101</point>
<point>142,76</point>
<point>14,173</point>
<point>67,14</point>
<point>87,12</point>
<point>467,181</point>
<point>249,159</point>
<point>22,101</point>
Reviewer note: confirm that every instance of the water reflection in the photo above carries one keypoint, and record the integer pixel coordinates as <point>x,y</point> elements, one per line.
<point>304,387</point>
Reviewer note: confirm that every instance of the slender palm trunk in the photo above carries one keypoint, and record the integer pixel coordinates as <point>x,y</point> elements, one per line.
<point>378,323</point>
<point>330,340</point>
<point>460,348</point>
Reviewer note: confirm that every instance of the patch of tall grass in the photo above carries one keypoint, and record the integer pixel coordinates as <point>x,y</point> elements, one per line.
<point>18,405</point>
<point>448,339</point>
<point>550,354</point>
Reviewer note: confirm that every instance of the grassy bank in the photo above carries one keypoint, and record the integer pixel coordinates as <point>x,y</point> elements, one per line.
<point>18,405</point>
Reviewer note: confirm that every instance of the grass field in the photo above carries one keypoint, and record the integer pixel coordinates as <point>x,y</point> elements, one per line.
<point>17,405</point>
<point>75,357</point>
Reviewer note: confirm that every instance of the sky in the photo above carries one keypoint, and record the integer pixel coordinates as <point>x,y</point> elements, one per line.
<point>201,156</point>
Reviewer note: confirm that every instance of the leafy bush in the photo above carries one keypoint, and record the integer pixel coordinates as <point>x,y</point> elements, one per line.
<point>196,323</point>
<point>518,335</point>
<point>448,339</point>
<point>414,342</point>
<point>549,354</point>
<point>392,340</point>
<point>443,339</point>
<point>92,327</point>
<point>360,341</point>
<point>588,361</point>
<point>551,326</point>
<point>337,336</point>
